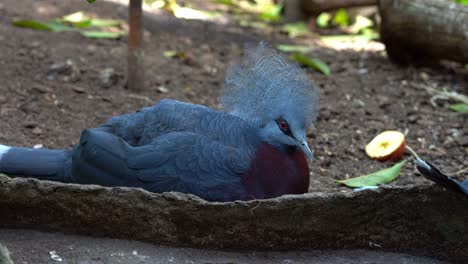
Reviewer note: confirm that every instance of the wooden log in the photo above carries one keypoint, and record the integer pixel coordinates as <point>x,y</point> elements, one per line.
<point>424,31</point>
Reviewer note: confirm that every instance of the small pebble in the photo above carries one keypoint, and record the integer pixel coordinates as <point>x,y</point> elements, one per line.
<point>78,89</point>
<point>162,89</point>
<point>108,77</point>
<point>37,131</point>
<point>41,88</point>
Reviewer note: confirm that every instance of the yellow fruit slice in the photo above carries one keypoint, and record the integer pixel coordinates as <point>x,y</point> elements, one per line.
<point>388,145</point>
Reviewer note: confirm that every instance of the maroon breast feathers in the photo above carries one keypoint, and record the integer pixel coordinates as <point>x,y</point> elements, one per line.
<point>274,173</point>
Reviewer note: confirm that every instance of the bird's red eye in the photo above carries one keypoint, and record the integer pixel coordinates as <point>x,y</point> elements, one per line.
<point>283,125</point>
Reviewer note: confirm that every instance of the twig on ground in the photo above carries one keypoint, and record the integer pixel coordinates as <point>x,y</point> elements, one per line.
<point>141,97</point>
<point>441,94</point>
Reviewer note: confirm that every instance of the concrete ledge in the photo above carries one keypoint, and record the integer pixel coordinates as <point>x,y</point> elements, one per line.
<point>423,220</point>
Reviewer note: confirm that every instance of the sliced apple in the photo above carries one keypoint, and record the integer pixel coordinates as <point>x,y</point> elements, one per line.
<point>388,145</point>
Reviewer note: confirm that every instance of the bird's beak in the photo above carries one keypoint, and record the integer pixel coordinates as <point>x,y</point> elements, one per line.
<point>305,148</point>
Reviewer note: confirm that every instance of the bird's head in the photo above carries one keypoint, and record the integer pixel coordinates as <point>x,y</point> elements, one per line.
<point>274,95</point>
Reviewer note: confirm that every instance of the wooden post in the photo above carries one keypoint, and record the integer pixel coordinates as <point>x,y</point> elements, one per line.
<point>424,31</point>
<point>135,69</point>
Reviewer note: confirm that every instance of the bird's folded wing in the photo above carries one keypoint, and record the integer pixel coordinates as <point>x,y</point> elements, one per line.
<point>167,116</point>
<point>189,162</point>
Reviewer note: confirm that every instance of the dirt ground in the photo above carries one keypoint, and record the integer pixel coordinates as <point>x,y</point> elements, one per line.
<point>28,246</point>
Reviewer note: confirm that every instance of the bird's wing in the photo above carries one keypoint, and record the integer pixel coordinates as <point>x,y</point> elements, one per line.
<point>167,116</point>
<point>191,163</point>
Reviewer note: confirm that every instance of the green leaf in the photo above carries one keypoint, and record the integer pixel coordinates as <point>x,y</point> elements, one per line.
<point>296,29</point>
<point>91,1</point>
<point>57,26</point>
<point>323,20</point>
<point>81,20</point>
<point>255,24</point>
<point>226,2</point>
<point>294,48</point>
<point>271,13</point>
<point>463,2</point>
<point>54,26</point>
<point>173,54</point>
<point>33,24</point>
<point>315,64</point>
<point>191,13</point>
<point>101,34</point>
<point>361,23</point>
<point>82,24</point>
<point>341,18</point>
<point>347,38</point>
<point>379,177</point>
<point>462,108</point>
<point>97,22</point>
<point>76,17</point>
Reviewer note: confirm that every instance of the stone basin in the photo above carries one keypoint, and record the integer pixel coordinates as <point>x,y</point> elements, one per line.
<point>419,220</point>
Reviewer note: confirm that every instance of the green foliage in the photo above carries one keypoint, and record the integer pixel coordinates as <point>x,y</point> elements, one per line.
<point>53,26</point>
<point>266,11</point>
<point>101,34</point>
<point>361,24</point>
<point>313,63</point>
<point>463,2</point>
<point>81,20</point>
<point>294,48</point>
<point>369,35</point>
<point>323,20</point>
<point>462,108</point>
<point>91,1</point>
<point>77,21</point>
<point>341,18</point>
<point>174,54</point>
<point>270,13</point>
<point>363,28</point>
<point>379,177</point>
<point>226,2</point>
<point>295,30</point>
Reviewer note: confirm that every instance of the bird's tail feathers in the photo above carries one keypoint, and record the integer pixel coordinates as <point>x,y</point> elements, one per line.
<point>45,164</point>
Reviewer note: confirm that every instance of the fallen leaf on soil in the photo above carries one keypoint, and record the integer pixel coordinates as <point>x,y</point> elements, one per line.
<point>81,20</point>
<point>294,48</point>
<point>75,22</point>
<point>173,53</point>
<point>270,12</point>
<point>315,64</point>
<point>38,25</point>
<point>295,30</point>
<point>462,108</point>
<point>102,34</point>
<point>323,20</point>
<point>369,35</point>
<point>379,177</point>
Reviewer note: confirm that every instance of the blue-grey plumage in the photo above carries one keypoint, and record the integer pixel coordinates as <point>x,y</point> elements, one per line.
<point>256,148</point>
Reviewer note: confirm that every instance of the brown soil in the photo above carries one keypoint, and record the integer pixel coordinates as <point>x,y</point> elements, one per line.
<point>364,95</point>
